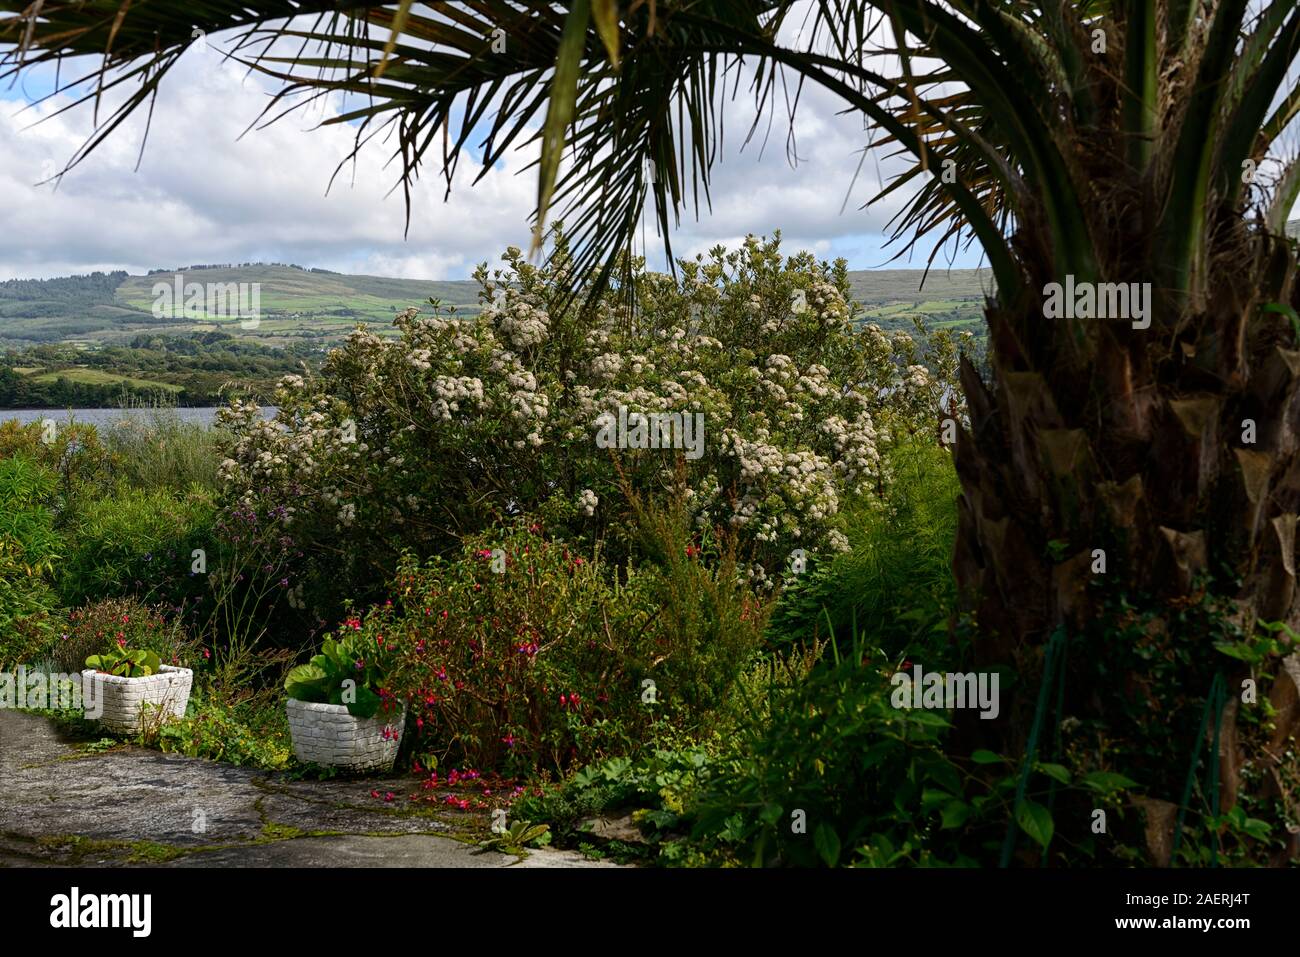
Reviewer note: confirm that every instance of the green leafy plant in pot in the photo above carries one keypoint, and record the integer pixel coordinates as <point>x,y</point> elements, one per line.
<point>126,662</point>
<point>345,672</point>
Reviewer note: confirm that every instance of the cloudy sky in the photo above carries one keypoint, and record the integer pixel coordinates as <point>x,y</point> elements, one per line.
<point>203,194</point>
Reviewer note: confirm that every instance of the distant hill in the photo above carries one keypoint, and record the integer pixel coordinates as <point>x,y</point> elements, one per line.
<point>296,305</point>
<point>316,306</point>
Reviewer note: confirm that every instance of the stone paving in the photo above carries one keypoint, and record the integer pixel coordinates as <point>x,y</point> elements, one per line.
<point>64,806</point>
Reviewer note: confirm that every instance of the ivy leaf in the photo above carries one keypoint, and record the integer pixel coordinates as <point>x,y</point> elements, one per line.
<point>931,798</point>
<point>1107,782</point>
<point>985,756</point>
<point>1239,650</point>
<point>955,814</point>
<point>1056,772</point>
<point>1036,821</point>
<point>827,843</point>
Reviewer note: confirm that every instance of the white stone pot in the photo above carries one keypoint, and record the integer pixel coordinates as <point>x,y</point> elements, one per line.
<point>328,734</point>
<point>122,701</point>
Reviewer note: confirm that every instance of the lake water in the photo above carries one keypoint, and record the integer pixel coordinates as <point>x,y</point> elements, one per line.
<point>104,417</point>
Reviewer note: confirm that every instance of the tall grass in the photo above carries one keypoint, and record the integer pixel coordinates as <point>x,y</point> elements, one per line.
<point>157,450</point>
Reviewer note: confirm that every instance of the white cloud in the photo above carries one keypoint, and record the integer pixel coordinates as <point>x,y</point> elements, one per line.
<point>203,194</point>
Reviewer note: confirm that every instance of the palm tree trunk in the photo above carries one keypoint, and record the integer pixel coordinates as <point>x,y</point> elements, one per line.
<point>1105,460</point>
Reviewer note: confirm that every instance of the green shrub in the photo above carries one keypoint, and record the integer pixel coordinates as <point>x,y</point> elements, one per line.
<point>462,421</point>
<point>26,600</point>
<point>110,624</point>
<point>552,658</point>
<point>840,776</point>
<point>28,551</point>
<point>74,454</point>
<point>138,542</point>
<point>254,732</point>
<point>653,790</point>
<point>895,583</point>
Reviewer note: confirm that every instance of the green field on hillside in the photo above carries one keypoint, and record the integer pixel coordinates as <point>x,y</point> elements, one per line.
<point>318,308</point>
<point>315,308</point>
<point>100,377</point>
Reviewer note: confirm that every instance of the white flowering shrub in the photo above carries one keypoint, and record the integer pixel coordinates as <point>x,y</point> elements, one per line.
<point>465,420</point>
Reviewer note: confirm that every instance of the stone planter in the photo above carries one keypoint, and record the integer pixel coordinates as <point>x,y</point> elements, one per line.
<point>327,734</point>
<point>133,704</point>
